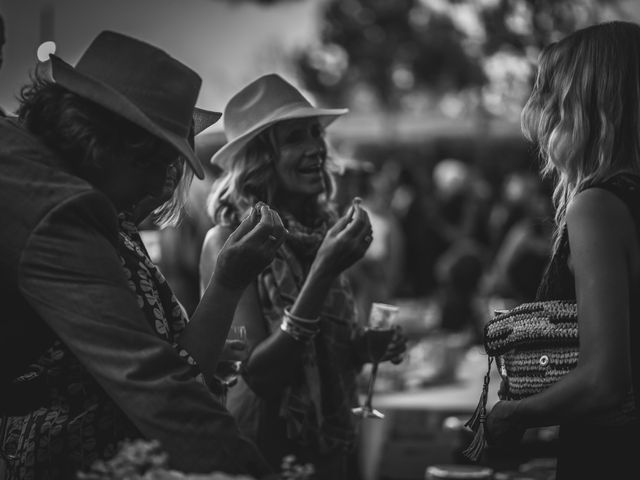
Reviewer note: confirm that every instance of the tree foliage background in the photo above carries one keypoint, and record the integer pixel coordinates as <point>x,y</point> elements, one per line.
<point>454,55</point>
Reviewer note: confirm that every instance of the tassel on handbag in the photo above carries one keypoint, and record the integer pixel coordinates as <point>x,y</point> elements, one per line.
<point>478,420</point>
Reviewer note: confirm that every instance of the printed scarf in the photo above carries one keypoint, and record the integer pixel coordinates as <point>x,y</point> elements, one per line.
<point>317,405</point>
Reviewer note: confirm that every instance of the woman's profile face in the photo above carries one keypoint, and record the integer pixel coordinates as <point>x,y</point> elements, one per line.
<point>301,156</point>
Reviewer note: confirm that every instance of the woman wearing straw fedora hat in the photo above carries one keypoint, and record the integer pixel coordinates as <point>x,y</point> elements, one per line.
<point>298,384</point>
<point>96,350</point>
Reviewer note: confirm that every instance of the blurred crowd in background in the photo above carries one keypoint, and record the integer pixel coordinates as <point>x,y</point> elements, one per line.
<point>462,220</point>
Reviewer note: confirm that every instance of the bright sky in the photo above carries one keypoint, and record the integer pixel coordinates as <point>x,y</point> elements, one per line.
<point>228,42</point>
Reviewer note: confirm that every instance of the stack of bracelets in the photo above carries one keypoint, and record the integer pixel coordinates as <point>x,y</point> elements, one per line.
<point>298,328</point>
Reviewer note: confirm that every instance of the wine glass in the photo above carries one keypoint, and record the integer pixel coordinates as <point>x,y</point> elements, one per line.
<point>227,371</point>
<point>378,335</point>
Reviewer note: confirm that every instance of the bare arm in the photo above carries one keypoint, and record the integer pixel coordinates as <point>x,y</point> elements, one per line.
<point>243,253</point>
<point>274,358</point>
<point>279,346</point>
<point>603,251</point>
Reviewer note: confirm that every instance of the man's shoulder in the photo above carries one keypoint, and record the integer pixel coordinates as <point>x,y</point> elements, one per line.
<point>23,153</point>
<point>17,141</point>
<point>33,180</point>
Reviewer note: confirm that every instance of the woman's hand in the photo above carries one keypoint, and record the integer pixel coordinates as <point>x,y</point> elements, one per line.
<point>395,350</point>
<point>250,248</point>
<point>397,347</point>
<point>503,429</point>
<point>345,243</point>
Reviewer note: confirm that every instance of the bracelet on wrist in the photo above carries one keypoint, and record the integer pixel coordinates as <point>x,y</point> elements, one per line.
<point>297,331</point>
<point>302,320</point>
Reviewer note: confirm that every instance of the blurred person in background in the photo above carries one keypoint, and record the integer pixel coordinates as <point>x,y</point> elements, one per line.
<point>412,202</point>
<point>459,271</point>
<point>377,276</point>
<point>458,217</point>
<point>583,115</point>
<point>461,201</point>
<point>520,196</point>
<point>298,384</point>
<point>83,367</point>
<point>523,230</point>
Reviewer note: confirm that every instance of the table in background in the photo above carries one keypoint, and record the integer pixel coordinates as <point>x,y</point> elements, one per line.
<point>411,436</point>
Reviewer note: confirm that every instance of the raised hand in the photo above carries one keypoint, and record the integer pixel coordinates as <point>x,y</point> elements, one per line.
<point>345,243</point>
<point>250,248</point>
<point>397,347</point>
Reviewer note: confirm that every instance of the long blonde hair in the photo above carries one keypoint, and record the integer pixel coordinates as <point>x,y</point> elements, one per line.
<point>583,112</point>
<point>252,177</point>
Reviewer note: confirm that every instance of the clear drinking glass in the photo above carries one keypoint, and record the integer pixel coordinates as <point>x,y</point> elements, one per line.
<point>228,371</point>
<point>378,334</point>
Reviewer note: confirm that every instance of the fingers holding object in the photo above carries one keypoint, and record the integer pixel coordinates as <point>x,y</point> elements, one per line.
<point>356,224</point>
<point>272,229</point>
<point>246,225</point>
<point>360,219</point>
<point>398,346</point>
<point>364,236</point>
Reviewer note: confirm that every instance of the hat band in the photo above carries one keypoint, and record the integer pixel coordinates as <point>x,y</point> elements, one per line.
<point>239,127</point>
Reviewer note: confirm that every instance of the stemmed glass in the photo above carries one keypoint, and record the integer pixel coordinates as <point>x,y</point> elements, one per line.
<point>378,335</point>
<point>227,371</point>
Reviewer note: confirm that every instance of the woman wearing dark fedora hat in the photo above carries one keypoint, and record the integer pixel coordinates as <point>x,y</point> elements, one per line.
<point>96,350</point>
<point>298,384</point>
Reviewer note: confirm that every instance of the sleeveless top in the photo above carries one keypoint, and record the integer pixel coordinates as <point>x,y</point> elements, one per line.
<point>558,283</point>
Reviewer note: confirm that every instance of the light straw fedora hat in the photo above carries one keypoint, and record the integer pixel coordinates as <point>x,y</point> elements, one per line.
<point>139,82</point>
<point>264,102</point>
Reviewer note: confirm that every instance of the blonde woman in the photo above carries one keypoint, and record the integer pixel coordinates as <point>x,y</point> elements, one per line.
<point>583,114</point>
<point>298,383</point>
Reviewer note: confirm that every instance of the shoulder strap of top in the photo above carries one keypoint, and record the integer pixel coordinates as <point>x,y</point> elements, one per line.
<point>627,188</point>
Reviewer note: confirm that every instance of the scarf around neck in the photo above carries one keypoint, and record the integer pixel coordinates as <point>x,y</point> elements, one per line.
<point>317,405</point>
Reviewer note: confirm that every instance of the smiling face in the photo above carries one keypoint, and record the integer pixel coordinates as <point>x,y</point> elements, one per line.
<point>302,153</point>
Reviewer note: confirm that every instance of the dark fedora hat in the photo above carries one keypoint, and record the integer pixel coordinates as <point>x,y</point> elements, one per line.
<point>264,102</point>
<point>139,82</point>
<point>203,119</point>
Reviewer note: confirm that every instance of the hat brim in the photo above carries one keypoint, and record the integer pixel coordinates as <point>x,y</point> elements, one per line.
<point>87,87</point>
<point>224,155</point>
<point>203,119</point>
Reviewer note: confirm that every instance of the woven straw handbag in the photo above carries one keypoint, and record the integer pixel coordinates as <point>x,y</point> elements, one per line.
<point>533,345</point>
